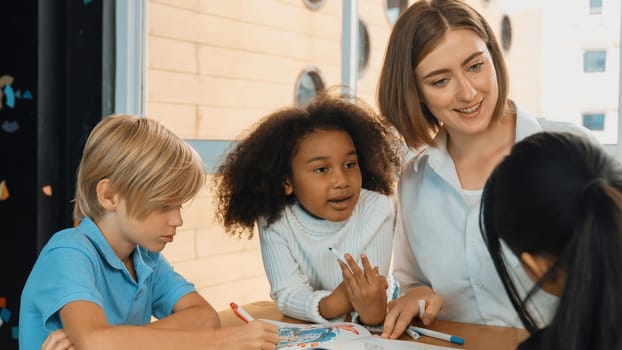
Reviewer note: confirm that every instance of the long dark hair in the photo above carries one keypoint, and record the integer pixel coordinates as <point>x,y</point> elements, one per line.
<point>560,195</point>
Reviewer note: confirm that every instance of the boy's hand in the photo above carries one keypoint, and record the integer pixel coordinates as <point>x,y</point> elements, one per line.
<point>253,335</point>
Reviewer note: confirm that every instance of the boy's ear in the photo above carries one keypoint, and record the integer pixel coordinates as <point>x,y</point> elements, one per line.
<point>287,186</point>
<point>106,196</point>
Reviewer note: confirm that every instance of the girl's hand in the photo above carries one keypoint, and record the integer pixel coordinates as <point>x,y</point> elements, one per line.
<point>366,289</point>
<point>57,340</point>
<point>404,309</point>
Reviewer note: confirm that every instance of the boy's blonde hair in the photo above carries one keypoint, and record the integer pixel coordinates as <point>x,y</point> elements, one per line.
<point>147,164</point>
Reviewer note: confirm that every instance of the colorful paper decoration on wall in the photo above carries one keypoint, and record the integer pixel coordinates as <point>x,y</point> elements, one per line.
<point>47,190</point>
<point>4,191</point>
<point>5,317</point>
<point>7,91</point>
<point>5,314</point>
<point>8,98</point>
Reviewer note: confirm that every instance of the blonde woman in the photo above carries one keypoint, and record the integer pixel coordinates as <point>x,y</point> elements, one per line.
<point>444,87</point>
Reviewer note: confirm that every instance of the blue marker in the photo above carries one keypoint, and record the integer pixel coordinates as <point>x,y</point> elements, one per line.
<point>437,335</point>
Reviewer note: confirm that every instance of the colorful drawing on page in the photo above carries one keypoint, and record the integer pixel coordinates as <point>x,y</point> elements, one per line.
<point>308,336</point>
<point>339,336</point>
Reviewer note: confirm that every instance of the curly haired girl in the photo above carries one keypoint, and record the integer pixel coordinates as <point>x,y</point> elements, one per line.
<point>313,178</point>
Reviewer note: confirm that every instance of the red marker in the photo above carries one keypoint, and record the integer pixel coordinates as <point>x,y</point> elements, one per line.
<point>241,313</point>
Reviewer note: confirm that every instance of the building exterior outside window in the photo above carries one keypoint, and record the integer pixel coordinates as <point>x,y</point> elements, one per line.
<point>393,9</point>
<point>594,61</point>
<point>594,121</point>
<point>596,7</point>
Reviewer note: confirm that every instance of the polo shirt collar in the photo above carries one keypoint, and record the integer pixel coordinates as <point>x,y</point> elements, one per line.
<point>143,263</point>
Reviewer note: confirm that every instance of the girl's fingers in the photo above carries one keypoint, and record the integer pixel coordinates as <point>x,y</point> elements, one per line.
<point>354,267</point>
<point>348,278</point>
<point>367,266</point>
<point>345,270</point>
<point>353,273</point>
<point>383,281</point>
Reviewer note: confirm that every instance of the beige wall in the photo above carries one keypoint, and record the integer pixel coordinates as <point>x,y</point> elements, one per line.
<point>214,68</point>
<point>523,57</point>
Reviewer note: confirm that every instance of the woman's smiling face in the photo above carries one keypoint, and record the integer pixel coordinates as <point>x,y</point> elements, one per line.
<point>458,82</point>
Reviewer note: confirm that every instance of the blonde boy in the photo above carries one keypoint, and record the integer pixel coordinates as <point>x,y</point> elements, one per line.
<point>101,282</point>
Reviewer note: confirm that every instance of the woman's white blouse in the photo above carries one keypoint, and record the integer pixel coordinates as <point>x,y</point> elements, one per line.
<point>439,243</point>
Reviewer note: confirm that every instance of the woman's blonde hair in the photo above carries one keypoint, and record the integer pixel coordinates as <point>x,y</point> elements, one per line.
<point>148,166</point>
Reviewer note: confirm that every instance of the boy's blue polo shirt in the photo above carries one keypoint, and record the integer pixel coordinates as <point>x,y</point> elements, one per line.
<point>79,264</point>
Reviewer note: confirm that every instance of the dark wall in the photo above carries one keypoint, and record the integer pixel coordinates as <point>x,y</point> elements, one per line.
<point>51,53</point>
<point>18,157</point>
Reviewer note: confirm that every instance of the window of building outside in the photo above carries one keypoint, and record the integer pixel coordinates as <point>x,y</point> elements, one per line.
<point>393,9</point>
<point>594,121</point>
<point>506,33</point>
<point>594,61</point>
<point>363,47</point>
<point>596,7</point>
<point>308,84</point>
<point>314,4</point>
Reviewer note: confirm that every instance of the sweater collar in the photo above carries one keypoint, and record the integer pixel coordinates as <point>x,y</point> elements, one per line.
<point>312,225</point>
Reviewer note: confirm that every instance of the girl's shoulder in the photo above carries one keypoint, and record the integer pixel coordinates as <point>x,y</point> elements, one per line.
<point>373,196</point>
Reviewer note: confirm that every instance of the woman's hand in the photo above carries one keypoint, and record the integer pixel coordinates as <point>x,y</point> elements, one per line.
<point>402,311</point>
<point>366,289</point>
<point>57,340</point>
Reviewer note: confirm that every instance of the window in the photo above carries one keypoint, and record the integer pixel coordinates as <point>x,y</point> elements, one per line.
<point>393,9</point>
<point>594,121</point>
<point>596,7</point>
<point>594,61</point>
<point>506,33</point>
<point>314,4</point>
<point>363,48</point>
<point>308,84</point>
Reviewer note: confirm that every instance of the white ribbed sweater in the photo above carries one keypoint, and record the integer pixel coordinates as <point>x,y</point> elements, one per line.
<point>299,266</point>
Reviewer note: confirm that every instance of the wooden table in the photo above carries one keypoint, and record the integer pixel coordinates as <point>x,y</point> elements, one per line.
<point>476,337</point>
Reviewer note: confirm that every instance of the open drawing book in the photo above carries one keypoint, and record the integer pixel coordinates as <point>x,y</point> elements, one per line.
<point>339,336</point>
